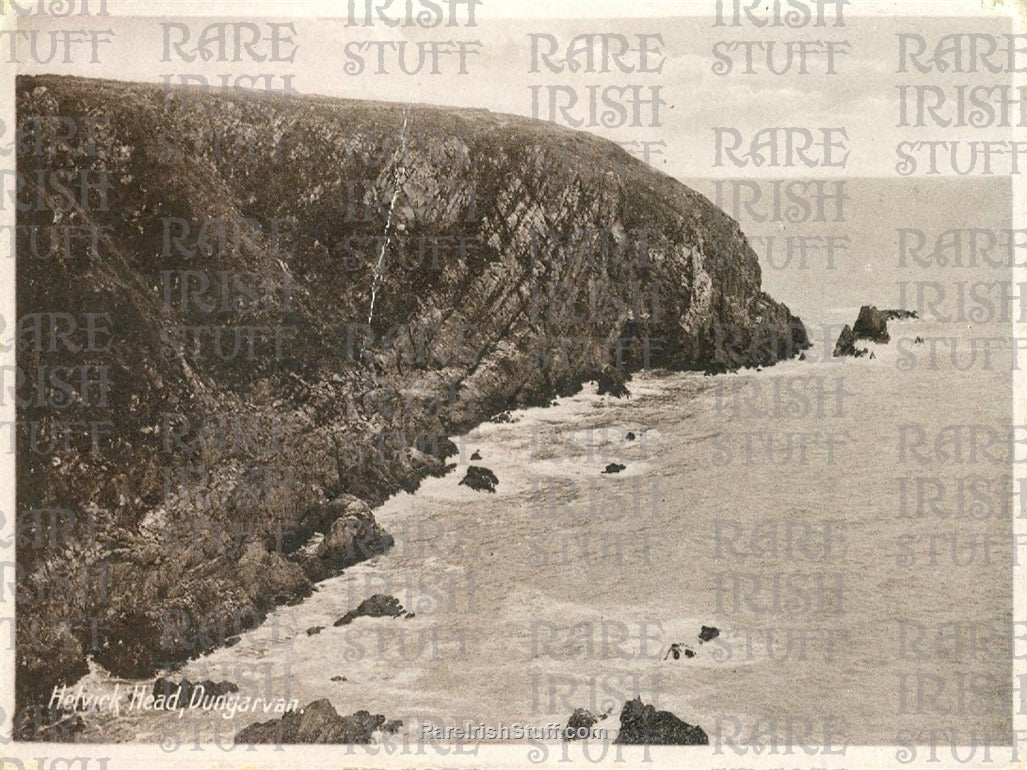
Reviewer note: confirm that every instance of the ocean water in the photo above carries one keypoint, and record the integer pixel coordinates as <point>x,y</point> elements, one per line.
<point>767,504</point>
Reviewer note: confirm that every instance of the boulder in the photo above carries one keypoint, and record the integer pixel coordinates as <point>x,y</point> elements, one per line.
<point>354,534</point>
<point>640,723</point>
<point>612,382</point>
<point>378,606</point>
<point>318,722</point>
<point>614,468</point>
<point>480,479</point>
<point>871,325</point>
<point>581,719</point>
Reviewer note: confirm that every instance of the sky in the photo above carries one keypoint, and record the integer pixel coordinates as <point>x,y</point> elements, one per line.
<point>862,98</point>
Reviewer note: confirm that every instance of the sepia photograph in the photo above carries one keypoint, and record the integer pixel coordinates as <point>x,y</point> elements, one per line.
<point>500,383</point>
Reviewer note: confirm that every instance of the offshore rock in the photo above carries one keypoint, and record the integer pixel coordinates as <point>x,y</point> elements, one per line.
<point>378,606</point>
<point>480,479</point>
<point>643,724</point>
<point>846,344</point>
<point>871,325</point>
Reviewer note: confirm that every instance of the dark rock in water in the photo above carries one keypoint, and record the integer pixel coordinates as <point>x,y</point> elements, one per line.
<point>580,720</point>
<point>378,606</point>
<point>630,436</point>
<point>706,633</point>
<point>318,722</point>
<point>846,344</point>
<point>476,455</point>
<point>392,726</point>
<point>314,630</point>
<point>480,479</point>
<point>464,176</point>
<point>614,468</point>
<point>871,325</point>
<point>165,687</point>
<point>501,418</point>
<point>918,341</point>
<point>802,356</point>
<point>339,679</point>
<point>899,315</point>
<point>643,724</point>
<point>232,641</point>
<point>677,650</point>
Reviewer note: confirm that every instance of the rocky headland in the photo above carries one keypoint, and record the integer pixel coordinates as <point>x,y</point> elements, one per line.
<point>283,306</point>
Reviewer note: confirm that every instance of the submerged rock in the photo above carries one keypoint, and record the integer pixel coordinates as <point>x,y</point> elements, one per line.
<point>318,722</point>
<point>630,436</point>
<point>480,479</point>
<point>614,468</point>
<point>378,606</point>
<point>871,325</point>
<point>476,455</point>
<point>314,630</point>
<point>643,724</point>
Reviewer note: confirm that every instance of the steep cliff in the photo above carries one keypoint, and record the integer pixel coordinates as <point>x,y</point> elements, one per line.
<point>293,301</point>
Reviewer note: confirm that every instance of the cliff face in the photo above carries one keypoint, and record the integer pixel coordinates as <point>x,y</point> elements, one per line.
<point>293,302</point>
